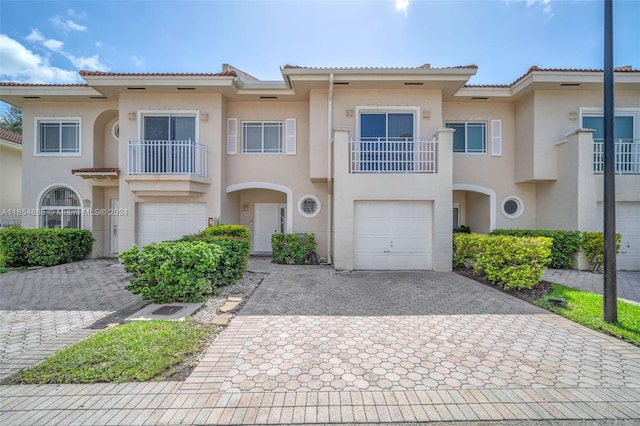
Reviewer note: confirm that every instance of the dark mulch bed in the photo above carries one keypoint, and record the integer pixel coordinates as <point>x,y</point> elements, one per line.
<point>542,289</point>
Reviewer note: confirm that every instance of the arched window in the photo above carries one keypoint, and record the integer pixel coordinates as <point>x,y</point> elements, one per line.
<point>61,208</point>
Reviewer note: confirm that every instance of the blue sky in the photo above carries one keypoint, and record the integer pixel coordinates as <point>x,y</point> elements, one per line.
<point>49,41</point>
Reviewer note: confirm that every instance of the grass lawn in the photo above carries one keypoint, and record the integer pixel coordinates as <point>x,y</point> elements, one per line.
<point>586,308</point>
<point>2,270</point>
<point>136,351</point>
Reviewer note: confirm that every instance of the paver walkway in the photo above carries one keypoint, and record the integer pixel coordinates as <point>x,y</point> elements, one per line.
<point>628,282</point>
<point>315,346</point>
<point>43,310</point>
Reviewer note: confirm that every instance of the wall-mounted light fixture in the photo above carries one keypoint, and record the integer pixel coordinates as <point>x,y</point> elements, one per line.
<point>86,203</point>
<point>349,113</point>
<point>204,116</point>
<point>573,115</point>
<point>132,116</point>
<point>426,114</point>
<point>245,207</point>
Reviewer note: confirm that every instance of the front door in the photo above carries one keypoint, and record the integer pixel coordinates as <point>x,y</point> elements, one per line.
<point>269,219</point>
<point>114,226</point>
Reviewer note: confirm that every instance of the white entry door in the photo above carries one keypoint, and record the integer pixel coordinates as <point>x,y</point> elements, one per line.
<point>114,226</point>
<point>392,235</point>
<point>269,219</point>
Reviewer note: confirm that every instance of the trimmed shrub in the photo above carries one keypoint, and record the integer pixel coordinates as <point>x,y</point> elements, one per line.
<point>565,244</point>
<point>173,271</point>
<point>233,262</point>
<point>593,246</point>
<point>462,229</point>
<point>44,247</point>
<point>292,249</point>
<point>511,262</point>
<point>238,231</point>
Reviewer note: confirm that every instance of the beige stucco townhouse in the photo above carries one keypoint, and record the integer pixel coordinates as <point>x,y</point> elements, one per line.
<point>379,163</point>
<point>10,178</point>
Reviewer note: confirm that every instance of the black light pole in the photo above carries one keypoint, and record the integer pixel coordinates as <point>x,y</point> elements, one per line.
<point>610,280</point>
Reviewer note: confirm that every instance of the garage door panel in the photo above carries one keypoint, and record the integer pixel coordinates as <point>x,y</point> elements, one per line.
<point>168,221</point>
<point>392,235</point>
<point>628,225</point>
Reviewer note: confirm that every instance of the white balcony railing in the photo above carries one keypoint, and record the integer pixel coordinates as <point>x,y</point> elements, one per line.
<point>627,157</point>
<point>393,155</point>
<point>167,157</point>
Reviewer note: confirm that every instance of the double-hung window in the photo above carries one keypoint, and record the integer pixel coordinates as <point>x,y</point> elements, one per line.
<point>469,137</point>
<point>262,137</point>
<point>58,136</point>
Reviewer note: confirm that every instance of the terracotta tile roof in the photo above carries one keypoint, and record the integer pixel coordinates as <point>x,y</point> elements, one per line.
<point>85,73</point>
<point>425,66</point>
<point>535,68</point>
<point>10,83</point>
<point>97,170</point>
<point>10,135</point>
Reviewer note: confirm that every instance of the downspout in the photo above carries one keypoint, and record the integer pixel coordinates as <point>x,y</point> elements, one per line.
<point>329,166</point>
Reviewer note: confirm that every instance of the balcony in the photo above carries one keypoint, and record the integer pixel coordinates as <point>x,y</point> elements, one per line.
<point>627,156</point>
<point>393,155</point>
<point>167,168</point>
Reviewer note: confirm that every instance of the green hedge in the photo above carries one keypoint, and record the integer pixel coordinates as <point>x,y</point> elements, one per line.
<point>593,246</point>
<point>292,249</point>
<point>43,247</point>
<point>173,271</point>
<point>237,231</point>
<point>511,262</point>
<point>565,244</point>
<point>235,254</point>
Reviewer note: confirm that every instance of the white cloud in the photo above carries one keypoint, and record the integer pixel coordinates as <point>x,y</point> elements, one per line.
<point>75,14</point>
<point>544,4</point>
<point>54,45</point>
<point>67,24</point>
<point>137,61</point>
<point>402,5</point>
<point>87,62</point>
<point>99,44</point>
<point>21,64</point>
<point>35,36</point>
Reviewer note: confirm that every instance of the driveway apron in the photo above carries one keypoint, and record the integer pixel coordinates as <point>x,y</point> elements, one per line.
<point>316,346</point>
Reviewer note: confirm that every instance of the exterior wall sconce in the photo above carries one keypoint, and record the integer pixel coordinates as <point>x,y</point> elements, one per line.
<point>132,116</point>
<point>573,115</point>
<point>204,116</point>
<point>86,203</point>
<point>349,113</point>
<point>426,114</point>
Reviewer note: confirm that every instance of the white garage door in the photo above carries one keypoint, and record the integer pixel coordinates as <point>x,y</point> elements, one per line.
<point>392,235</point>
<point>628,225</point>
<point>169,221</point>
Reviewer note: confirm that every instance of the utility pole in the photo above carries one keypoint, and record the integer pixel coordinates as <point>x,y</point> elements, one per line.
<point>610,280</point>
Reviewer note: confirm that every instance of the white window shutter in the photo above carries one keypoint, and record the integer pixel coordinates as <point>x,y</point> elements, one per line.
<point>232,135</point>
<point>496,138</point>
<point>291,136</point>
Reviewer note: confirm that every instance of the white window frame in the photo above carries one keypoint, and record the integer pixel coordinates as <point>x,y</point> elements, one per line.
<point>456,206</point>
<point>164,113</point>
<point>466,144</point>
<point>263,122</point>
<point>599,112</point>
<point>415,110</point>
<point>36,133</point>
<point>42,208</point>
<point>114,133</point>
<point>309,215</point>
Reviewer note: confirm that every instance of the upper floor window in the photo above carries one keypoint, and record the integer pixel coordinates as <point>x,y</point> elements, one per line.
<point>469,137</point>
<point>58,136</point>
<point>262,137</point>
<point>386,126</point>
<point>623,126</point>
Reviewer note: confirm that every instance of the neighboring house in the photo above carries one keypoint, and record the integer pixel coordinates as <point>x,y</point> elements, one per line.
<point>10,178</point>
<point>379,163</point>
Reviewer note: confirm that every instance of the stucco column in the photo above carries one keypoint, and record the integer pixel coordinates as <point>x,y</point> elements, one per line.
<point>443,203</point>
<point>342,206</point>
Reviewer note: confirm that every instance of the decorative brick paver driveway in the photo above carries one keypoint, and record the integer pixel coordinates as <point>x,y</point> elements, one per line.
<point>46,309</point>
<point>315,346</point>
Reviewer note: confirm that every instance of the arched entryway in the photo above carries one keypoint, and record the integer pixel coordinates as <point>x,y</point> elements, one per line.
<point>265,208</point>
<point>475,207</point>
